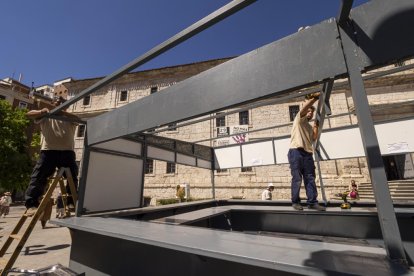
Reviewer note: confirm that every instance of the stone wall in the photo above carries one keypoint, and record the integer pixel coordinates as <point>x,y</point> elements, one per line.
<point>233,183</point>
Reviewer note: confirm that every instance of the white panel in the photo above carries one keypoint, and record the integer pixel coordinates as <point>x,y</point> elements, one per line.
<point>204,164</point>
<point>113,182</point>
<point>185,159</point>
<point>121,145</point>
<point>396,137</point>
<point>345,143</point>
<point>281,150</point>
<point>393,138</point>
<point>160,154</point>
<point>228,157</point>
<point>258,154</point>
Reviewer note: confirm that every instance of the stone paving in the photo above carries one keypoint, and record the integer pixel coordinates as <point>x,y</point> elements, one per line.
<point>44,247</point>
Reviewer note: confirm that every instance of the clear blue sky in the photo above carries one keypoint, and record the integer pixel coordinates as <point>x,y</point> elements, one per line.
<point>50,40</point>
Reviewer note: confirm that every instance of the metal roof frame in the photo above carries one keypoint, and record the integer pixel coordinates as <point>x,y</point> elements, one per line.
<point>366,37</point>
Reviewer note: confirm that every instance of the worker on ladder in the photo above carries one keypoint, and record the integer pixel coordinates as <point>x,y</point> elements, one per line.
<point>300,155</point>
<point>57,150</point>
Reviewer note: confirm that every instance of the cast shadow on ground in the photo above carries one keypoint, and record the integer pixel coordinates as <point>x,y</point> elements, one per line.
<point>40,249</point>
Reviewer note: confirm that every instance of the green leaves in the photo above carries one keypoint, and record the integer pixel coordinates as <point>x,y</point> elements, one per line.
<point>15,161</point>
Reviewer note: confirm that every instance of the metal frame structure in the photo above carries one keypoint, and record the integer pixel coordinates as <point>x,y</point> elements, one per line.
<point>360,39</point>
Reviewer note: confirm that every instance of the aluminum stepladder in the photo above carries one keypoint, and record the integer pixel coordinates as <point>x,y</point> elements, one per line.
<point>6,264</point>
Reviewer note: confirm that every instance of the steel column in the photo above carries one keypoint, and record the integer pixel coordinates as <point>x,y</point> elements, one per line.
<point>386,214</point>
<point>144,163</point>
<point>82,182</point>
<point>213,179</point>
<point>322,110</point>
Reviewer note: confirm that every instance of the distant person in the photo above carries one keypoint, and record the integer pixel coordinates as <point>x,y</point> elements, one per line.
<point>267,194</point>
<point>57,151</point>
<point>180,193</point>
<point>60,208</point>
<point>353,190</point>
<point>300,155</point>
<point>5,202</point>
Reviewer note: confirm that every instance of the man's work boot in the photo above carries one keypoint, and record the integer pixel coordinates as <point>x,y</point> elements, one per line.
<point>297,206</point>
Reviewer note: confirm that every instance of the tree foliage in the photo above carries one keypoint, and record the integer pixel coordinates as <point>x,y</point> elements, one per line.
<point>15,161</point>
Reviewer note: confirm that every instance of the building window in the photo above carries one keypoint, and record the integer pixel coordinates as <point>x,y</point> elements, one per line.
<point>247,169</point>
<point>221,170</point>
<point>293,111</point>
<point>87,100</point>
<point>244,117</point>
<point>154,89</point>
<point>2,97</point>
<point>220,121</point>
<point>170,167</point>
<point>81,131</point>
<point>172,127</point>
<point>149,166</point>
<point>123,96</point>
<point>22,105</point>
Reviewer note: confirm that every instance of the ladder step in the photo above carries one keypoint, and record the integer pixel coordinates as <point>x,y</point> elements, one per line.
<point>16,237</point>
<point>6,264</point>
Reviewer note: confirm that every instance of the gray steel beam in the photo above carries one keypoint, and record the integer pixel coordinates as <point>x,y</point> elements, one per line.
<point>390,230</point>
<point>311,55</point>
<point>258,74</point>
<point>323,106</point>
<point>382,31</point>
<point>206,22</point>
<point>144,149</point>
<point>344,11</point>
<point>83,178</point>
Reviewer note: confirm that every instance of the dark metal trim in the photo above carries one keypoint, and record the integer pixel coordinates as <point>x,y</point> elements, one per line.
<point>144,163</point>
<point>117,153</point>
<point>386,214</point>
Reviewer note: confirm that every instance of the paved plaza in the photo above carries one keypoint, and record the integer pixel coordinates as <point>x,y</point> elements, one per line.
<point>44,247</point>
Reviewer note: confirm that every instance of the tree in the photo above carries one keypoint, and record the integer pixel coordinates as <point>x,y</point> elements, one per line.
<point>15,161</point>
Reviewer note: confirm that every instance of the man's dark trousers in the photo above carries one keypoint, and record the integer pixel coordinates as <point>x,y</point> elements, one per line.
<point>302,166</point>
<point>45,167</point>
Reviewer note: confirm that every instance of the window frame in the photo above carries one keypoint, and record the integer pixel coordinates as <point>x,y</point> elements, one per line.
<point>169,167</point>
<point>292,111</point>
<point>241,117</point>
<point>221,121</point>
<point>153,89</point>
<point>80,132</point>
<point>123,96</point>
<point>246,170</point>
<point>149,166</point>
<point>86,100</point>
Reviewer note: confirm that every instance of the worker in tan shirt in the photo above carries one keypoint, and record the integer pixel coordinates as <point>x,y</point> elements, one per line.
<point>57,150</point>
<point>300,156</point>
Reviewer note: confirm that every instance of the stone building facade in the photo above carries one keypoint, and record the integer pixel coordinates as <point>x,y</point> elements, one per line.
<point>162,178</point>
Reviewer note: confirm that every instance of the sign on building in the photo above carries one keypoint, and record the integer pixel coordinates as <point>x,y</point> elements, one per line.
<point>236,132</point>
